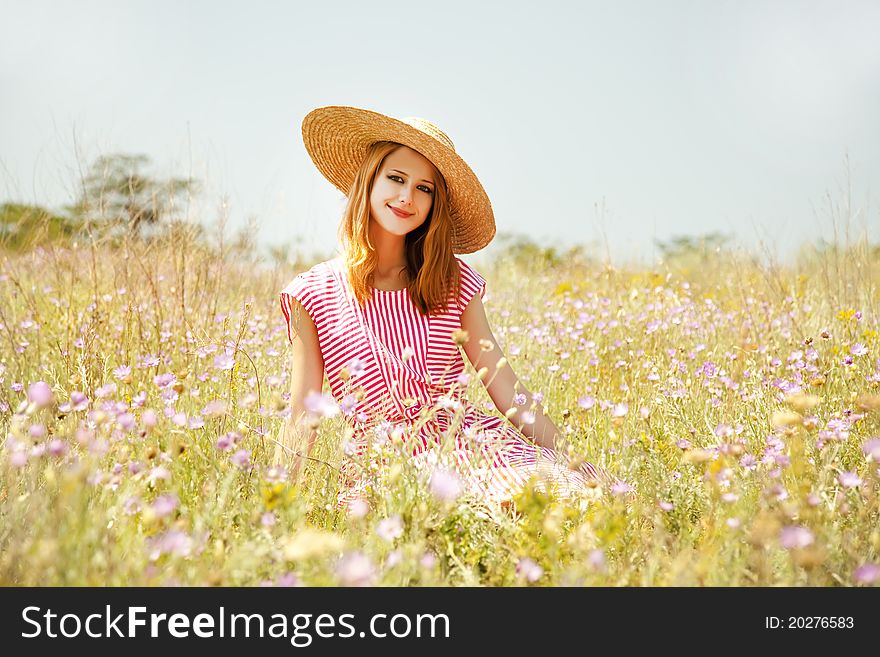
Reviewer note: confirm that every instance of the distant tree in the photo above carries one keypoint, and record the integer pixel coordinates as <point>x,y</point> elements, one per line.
<point>690,246</point>
<point>24,226</point>
<point>523,249</point>
<point>115,191</point>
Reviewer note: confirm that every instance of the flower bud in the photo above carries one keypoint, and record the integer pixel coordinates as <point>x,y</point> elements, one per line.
<point>460,336</point>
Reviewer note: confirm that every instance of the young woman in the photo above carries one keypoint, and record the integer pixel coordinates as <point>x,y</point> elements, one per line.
<point>384,321</point>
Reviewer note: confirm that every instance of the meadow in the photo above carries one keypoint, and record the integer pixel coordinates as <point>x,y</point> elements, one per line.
<point>142,383</point>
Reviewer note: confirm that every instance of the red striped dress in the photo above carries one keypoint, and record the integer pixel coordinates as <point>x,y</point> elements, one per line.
<point>406,374</point>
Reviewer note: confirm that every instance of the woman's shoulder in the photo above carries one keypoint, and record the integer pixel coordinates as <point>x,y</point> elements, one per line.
<point>468,272</point>
<point>471,283</point>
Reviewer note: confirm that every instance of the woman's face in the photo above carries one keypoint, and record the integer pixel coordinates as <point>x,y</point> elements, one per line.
<point>403,192</point>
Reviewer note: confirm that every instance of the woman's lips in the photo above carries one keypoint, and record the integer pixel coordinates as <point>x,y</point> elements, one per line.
<point>400,213</point>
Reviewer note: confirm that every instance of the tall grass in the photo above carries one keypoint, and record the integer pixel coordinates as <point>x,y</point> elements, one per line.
<point>739,399</point>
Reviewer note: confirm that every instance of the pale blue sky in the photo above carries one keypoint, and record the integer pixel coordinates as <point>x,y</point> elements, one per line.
<point>681,117</point>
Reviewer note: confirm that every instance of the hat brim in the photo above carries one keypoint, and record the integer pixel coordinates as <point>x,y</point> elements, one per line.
<point>337,139</point>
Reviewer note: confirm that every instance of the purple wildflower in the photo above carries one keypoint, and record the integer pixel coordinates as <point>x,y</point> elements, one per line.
<point>428,560</point>
<point>57,447</point>
<point>242,459</point>
<point>105,390</point>
<point>795,536</point>
<point>871,448</point>
<point>289,579</point>
<point>356,367</point>
<point>723,431</point>
<point>348,404</point>
<point>849,480</point>
<point>275,475</point>
<point>445,485</point>
<point>126,421</point>
<point>321,404</point>
<point>131,505</point>
<point>160,472</point>
<point>529,570</point>
<point>40,394</point>
<point>164,505</point>
<point>214,408</point>
<point>867,573</point>
<point>174,542</point>
<point>149,418</point>
<point>224,362</point>
<point>596,560</point>
<point>355,569</point>
<point>586,402</point>
<point>358,508</point>
<point>394,558</point>
<point>389,529</point>
<point>122,371</point>
<point>164,380</point>
<point>227,440</point>
<point>620,410</point>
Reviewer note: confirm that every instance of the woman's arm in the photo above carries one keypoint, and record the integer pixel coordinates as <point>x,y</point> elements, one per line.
<point>502,383</point>
<point>307,374</point>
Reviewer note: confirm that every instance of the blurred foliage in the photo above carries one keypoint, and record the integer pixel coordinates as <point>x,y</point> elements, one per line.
<point>742,403</point>
<point>688,249</point>
<point>117,192</point>
<point>25,226</point>
<point>528,255</point>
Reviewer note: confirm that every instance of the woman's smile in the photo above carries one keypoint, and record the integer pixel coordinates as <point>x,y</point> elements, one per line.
<point>401,213</point>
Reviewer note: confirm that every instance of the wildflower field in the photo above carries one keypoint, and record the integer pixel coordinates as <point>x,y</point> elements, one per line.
<point>142,384</point>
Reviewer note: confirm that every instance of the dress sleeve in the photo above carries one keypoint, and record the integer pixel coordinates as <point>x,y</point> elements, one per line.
<point>471,283</point>
<point>301,290</point>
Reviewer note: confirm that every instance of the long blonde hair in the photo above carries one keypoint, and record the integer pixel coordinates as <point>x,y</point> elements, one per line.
<point>431,268</point>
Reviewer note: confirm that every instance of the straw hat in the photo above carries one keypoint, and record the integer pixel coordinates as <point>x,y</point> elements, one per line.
<point>337,139</point>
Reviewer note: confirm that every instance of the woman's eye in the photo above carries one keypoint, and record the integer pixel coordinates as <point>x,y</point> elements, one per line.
<point>424,188</point>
